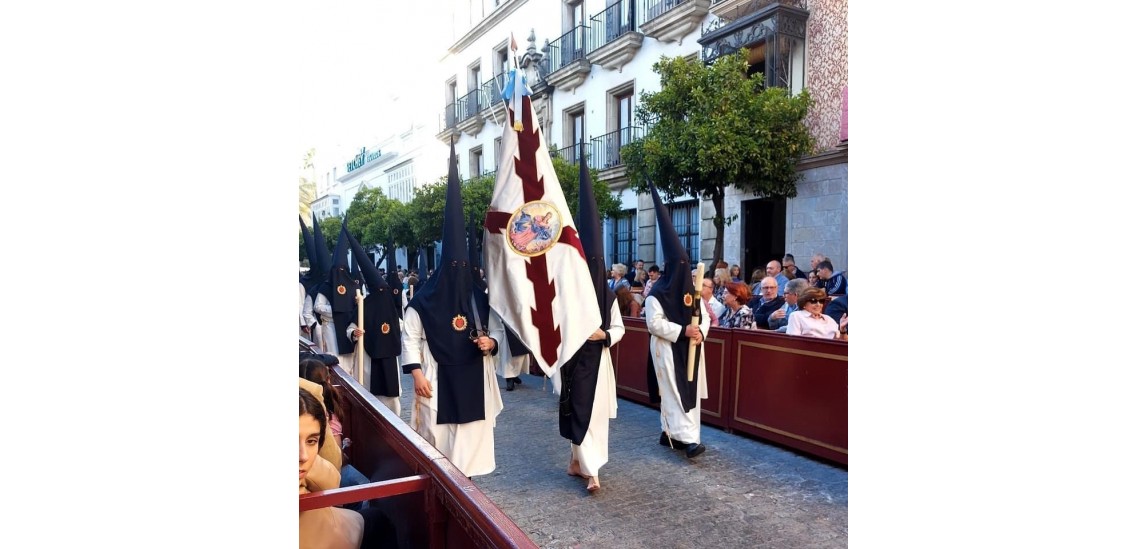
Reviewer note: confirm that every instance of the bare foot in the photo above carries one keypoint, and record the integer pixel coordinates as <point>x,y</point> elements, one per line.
<point>593,486</point>
<point>575,470</point>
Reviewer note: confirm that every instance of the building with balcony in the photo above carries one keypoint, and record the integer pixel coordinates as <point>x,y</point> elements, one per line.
<point>588,62</point>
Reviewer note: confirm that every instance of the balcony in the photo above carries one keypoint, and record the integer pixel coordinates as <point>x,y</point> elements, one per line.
<point>567,55</point>
<point>490,99</point>
<point>448,123</point>
<point>613,38</point>
<point>672,20</point>
<point>570,154</point>
<point>732,10</point>
<point>775,30</point>
<point>468,108</point>
<point>606,154</point>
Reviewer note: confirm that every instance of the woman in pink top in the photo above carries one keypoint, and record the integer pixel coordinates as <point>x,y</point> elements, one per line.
<point>809,320</point>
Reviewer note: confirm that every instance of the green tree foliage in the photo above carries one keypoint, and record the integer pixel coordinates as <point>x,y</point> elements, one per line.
<point>375,219</point>
<point>331,227</point>
<point>609,205</point>
<point>711,127</point>
<point>367,218</point>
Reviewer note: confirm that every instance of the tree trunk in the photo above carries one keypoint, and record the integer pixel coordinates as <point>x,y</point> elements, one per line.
<point>719,224</point>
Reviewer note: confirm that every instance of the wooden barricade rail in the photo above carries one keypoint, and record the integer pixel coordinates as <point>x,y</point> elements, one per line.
<point>790,390</point>
<point>430,501</point>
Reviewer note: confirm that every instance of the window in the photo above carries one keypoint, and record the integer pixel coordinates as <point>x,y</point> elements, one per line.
<point>401,182</point>
<point>501,60</point>
<point>575,15</point>
<point>497,151</point>
<point>476,161</point>
<point>623,242</point>
<point>684,216</point>
<point>620,122</point>
<point>574,132</point>
<point>450,112</point>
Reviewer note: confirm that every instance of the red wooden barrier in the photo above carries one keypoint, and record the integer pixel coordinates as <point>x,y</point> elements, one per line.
<point>791,390</point>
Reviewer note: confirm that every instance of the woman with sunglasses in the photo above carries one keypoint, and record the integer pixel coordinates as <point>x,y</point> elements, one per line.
<point>810,321</point>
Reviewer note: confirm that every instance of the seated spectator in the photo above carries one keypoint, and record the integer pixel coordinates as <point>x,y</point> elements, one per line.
<point>779,320</point>
<point>331,527</point>
<point>809,321</point>
<point>737,314</point>
<point>832,283</point>
<point>735,274</point>
<point>639,280</point>
<point>713,306</point>
<point>329,450</point>
<point>655,273</point>
<point>618,278</point>
<point>790,270</point>
<point>770,302</point>
<point>626,302</point>
<point>773,269</point>
<point>755,288</point>
<point>318,372</point>
<point>328,526</point>
<point>838,308</point>
<point>720,278</point>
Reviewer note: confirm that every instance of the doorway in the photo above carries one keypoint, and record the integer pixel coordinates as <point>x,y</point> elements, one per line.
<point>763,233</point>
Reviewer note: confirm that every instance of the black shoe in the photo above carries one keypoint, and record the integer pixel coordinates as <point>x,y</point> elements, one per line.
<point>694,450</point>
<point>510,384</point>
<point>517,380</point>
<point>663,439</point>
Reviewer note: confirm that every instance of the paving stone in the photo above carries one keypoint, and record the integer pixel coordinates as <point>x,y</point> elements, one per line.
<point>740,493</point>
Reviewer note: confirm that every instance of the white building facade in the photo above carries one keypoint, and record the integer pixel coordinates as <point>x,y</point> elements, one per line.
<point>397,165</point>
<point>589,62</point>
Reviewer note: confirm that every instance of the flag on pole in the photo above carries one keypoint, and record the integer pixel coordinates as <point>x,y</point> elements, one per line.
<point>516,91</point>
<point>536,269</point>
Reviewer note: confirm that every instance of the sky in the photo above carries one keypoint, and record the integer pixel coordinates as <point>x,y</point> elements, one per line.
<point>367,65</point>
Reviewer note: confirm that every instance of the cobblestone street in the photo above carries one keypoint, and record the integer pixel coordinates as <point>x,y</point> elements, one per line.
<point>739,493</point>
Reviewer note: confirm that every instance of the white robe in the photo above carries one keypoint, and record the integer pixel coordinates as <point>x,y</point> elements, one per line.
<point>676,422</point>
<point>510,366</point>
<point>594,451</point>
<point>469,446</point>
<point>306,310</point>
<point>330,344</point>
<point>393,403</point>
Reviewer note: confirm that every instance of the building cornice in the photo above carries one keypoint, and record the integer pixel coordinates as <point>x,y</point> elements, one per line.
<point>487,24</point>
<point>836,155</point>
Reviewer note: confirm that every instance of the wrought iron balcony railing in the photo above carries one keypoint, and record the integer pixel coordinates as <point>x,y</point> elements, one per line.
<point>491,92</point>
<point>449,117</point>
<point>606,150</point>
<point>468,105</point>
<point>651,9</point>
<point>614,21</point>
<point>568,48</point>
<point>570,154</point>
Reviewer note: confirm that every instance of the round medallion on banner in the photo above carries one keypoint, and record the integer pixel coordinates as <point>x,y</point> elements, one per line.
<point>534,228</point>
<point>395,291</point>
<point>341,289</point>
<point>688,299</point>
<point>386,328</point>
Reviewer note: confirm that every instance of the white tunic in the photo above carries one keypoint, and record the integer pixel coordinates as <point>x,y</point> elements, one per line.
<point>676,422</point>
<point>594,451</point>
<point>393,403</point>
<point>510,366</point>
<point>330,344</point>
<point>469,446</point>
